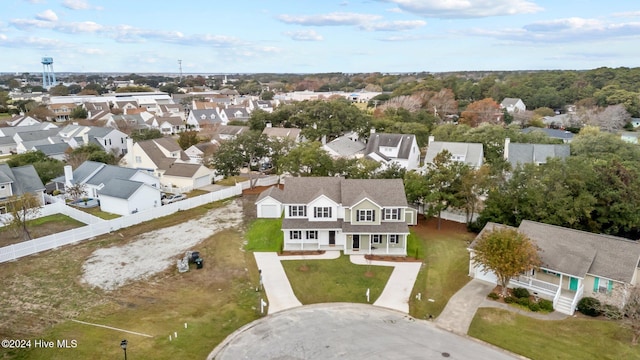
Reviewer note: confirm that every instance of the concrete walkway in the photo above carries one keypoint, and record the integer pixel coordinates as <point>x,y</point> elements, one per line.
<point>397,292</point>
<point>328,255</point>
<point>536,315</point>
<point>461,308</point>
<point>275,282</point>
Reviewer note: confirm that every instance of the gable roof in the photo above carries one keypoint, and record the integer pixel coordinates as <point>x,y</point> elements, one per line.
<point>473,152</point>
<point>291,133</point>
<point>510,102</point>
<point>207,116</point>
<point>552,133</point>
<point>273,192</point>
<point>120,188</point>
<point>344,146</point>
<point>404,141</point>
<point>37,135</point>
<point>23,179</point>
<point>182,170</point>
<point>536,153</point>
<point>96,173</point>
<point>52,149</point>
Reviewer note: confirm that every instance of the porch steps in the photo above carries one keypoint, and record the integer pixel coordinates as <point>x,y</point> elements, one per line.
<point>564,305</point>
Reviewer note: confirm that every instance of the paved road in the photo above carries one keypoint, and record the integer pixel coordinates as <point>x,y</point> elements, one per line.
<point>462,306</point>
<point>275,282</point>
<point>348,331</point>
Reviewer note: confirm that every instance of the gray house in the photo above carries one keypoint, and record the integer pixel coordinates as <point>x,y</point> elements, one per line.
<point>471,154</point>
<point>17,181</point>
<point>537,154</point>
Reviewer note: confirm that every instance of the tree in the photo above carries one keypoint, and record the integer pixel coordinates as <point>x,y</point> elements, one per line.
<point>46,167</point>
<point>482,111</point>
<point>79,113</point>
<point>507,253</point>
<point>631,315</point>
<point>89,152</point>
<point>474,183</point>
<point>59,90</point>
<point>74,88</point>
<point>188,138</point>
<point>76,190</point>
<point>267,95</point>
<point>443,180</point>
<point>22,208</point>
<point>246,149</point>
<point>146,134</point>
<point>41,112</point>
<point>308,159</point>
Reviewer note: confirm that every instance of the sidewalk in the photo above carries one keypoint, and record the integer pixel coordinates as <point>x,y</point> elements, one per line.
<point>275,282</point>
<point>397,292</point>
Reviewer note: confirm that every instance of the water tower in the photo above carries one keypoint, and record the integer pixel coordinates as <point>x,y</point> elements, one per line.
<point>48,76</point>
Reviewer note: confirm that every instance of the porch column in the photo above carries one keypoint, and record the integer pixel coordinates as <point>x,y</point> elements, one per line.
<point>387,244</point>
<point>560,285</point>
<point>301,243</point>
<point>406,238</point>
<point>370,241</point>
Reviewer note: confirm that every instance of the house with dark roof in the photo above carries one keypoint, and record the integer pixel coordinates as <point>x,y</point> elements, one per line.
<point>199,119</point>
<point>388,149</point>
<point>17,181</point>
<point>120,190</point>
<point>471,154</point>
<point>357,216</point>
<point>565,136</point>
<point>575,264</point>
<point>516,153</point>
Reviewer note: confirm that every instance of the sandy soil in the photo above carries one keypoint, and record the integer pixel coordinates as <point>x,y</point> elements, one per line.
<point>153,252</point>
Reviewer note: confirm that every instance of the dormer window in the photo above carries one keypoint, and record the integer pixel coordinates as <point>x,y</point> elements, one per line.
<point>297,211</point>
<point>366,215</point>
<point>322,212</point>
<point>391,214</point>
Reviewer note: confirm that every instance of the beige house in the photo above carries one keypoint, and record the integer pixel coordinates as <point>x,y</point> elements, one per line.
<point>357,216</point>
<point>575,264</point>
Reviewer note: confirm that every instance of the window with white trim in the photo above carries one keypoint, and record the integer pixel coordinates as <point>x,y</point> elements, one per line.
<point>295,234</point>
<point>366,215</point>
<point>376,239</point>
<point>391,214</point>
<point>312,235</point>
<point>138,159</point>
<point>394,239</point>
<point>322,212</point>
<point>297,210</point>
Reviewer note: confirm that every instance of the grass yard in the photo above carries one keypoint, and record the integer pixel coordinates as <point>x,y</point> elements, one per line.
<point>40,294</point>
<point>231,181</point>
<point>265,235</point>
<point>95,211</point>
<point>43,226</point>
<point>446,266</point>
<point>322,281</point>
<point>572,338</point>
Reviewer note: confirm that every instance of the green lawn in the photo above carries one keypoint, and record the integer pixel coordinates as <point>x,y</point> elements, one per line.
<point>39,227</point>
<point>231,181</point>
<point>572,338</point>
<point>95,211</point>
<point>322,281</point>
<point>445,270</point>
<point>265,235</point>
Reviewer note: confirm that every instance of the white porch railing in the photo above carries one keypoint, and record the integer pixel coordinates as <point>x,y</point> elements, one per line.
<point>577,297</point>
<point>535,285</point>
<point>556,298</point>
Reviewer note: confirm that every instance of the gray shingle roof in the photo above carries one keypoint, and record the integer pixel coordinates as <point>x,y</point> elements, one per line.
<point>273,192</point>
<point>52,149</point>
<point>183,170</point>
<point>24,179</point>
<point>37,135</point>
<point>552,133</point>
<point>536,153</point>
<point>509,101</point>
<point>301,190</point>
<point>207,116</point>
<point>472,152</point>
<point>346,147</point>
<point>405,141</point>
<point>119,188</point>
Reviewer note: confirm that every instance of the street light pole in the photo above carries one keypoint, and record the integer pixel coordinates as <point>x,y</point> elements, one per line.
<point>123,345</point>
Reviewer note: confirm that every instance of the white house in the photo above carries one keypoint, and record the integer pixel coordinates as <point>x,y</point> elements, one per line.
<point>269,203</point>
<point>471,154</point>
<point>387,149</point>
<point>513,105</point>
<point>126,197</point>
<point>110,139</point>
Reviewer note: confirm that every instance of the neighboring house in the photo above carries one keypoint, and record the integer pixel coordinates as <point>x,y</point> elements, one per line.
<point>630,137</point>
<point>357,216</point>
<point>565,136</point>
<point>7,145</point>
<point>234,114</point>
<point>61,111</point>
<point>199,119</point>
<point>227,132</point>
<point>22,120</point>
<point>282,133</point>
<point>120,190</point>
<point>165,159</point>
<point>18,181</point>
<point>513,105</point>
<point>198,151</point>
<point>537,154</point>
<point>171,125</point>
<point>471,154</point>
<point>345,147</point>
<point>11,131</point>
<point>110,139</point>
<point>387,149</point>
<point>269,203</point>
<point>28,136</point>
<point>574,264</point>
<point>55,151</point>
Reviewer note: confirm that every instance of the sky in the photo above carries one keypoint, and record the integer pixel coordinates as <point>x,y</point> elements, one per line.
<point>316,36</point>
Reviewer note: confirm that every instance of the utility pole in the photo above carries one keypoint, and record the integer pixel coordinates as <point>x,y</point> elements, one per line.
<point>180,64</point>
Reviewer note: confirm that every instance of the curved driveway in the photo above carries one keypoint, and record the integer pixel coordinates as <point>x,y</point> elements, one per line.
<point>348,331</point>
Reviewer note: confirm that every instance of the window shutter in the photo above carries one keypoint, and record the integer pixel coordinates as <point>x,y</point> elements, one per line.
<point>609,286</point>
<point>373,216</point>
<point>596,283</point>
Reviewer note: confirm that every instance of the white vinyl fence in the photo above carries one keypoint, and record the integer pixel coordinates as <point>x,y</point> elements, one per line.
<point>100,227</point>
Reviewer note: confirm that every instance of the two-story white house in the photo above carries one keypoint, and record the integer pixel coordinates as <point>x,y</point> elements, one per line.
<point>387,149</point>
<point>110,139</point>
<point>513,105</point>
<point>357,216</point>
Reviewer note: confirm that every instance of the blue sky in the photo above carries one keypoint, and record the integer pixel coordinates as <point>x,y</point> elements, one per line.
<point>303,36</point>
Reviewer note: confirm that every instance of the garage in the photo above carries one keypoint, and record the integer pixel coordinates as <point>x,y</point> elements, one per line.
<point>481,275</point>
<point>201,181</point>
<point>270,211</point>
<point>269,203</point>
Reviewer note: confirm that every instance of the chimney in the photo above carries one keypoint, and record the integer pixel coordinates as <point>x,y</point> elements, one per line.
<point>431,139</point>
<point>68,176</point>
<point>85,138</point>
<point>129,151</point>
<point>507,141</point>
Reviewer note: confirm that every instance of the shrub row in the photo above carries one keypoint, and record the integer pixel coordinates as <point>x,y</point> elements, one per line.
<point>540,305</point>
<point>593,307</point>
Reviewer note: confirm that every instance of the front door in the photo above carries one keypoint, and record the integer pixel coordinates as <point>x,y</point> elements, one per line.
<point>332,237</point>
<point>356,242</point>
<point>573,284</point>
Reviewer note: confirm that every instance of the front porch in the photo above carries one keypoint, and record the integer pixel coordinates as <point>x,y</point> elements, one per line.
<point>376,244</point>
<point>564,299</point>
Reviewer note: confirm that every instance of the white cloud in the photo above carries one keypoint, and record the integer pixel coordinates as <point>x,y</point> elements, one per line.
<point>304,35</point>
<point>91,51</point>
<point>331,19</point>
<point>627,14</point>
<point>394,25</point>
<point>76,4</point>
<point>47,15</point>
<point>466,8</point>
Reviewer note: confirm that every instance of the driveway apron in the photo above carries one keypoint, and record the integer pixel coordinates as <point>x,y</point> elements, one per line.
<point>275,282</point>
<point>462,306</point>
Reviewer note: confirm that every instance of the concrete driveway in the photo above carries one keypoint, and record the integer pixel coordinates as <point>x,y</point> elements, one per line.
<point>348,331</point>
<point>462,306</point>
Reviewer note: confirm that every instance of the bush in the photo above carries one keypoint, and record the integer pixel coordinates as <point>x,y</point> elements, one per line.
<point>520,293</point>
<point>509,299</point>
<point>589,306</point>
<point>545,305</point>
<point>534,306</point>
<point>493,296</point>
<point>611,312</point>
<point>523,301</point>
